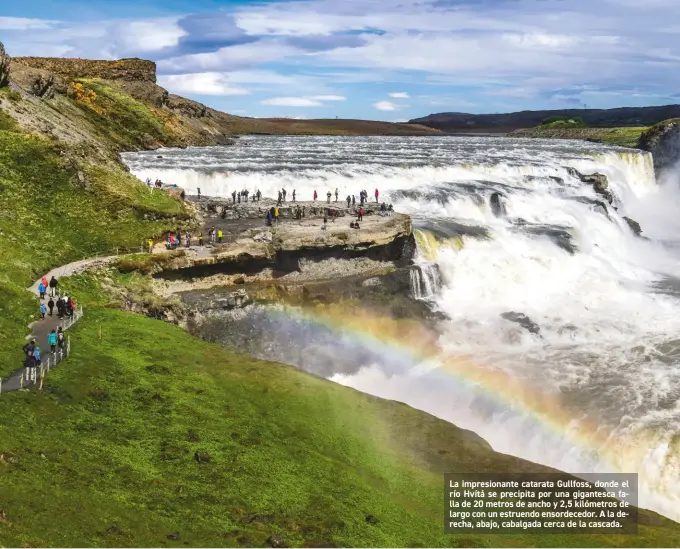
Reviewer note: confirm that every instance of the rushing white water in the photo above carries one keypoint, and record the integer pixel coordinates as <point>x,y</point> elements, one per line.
<point>607,303</point>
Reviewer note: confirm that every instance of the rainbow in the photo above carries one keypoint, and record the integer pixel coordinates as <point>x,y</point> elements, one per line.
<point>408,341</point>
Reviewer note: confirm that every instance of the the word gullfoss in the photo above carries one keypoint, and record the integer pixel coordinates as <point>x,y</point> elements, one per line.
<point>560,323</point>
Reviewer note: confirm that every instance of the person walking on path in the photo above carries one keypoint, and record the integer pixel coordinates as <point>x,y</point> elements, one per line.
<point>52,341</point>
<point>336,194</point>
<point>283,193</point>
<point>328,196</point>
<point>360,214</point>
<point>315,196</point>
<point>150,244</point>
<point>293,195</point>
<point>188,239</point>
<point>53,286</point>
<point>349,200</point>
<point>71,307</point>
<point>376,196</point>
<point>45,282</point>
<point>219,236</point>
<point>42,290</point>
<point>259,195</point>
<point>60,338</point>
<point>36,355</point>
<point>233,197</point>
<point>43,311</point>
<point>354,200</point>
<point>50,304</point>
<point>199,192</point>
<point>200,239</point>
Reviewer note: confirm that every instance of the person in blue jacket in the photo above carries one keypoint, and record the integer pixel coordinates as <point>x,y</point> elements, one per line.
<point>43,310</point>
<point>52,341</point>
<point>42,290</point>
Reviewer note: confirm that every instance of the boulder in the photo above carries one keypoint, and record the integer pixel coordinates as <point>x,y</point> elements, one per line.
<point>634,226</point>
<point>4,67</point>
<point>497,205</point>
<point>597,181</point>
<point>523,320</point>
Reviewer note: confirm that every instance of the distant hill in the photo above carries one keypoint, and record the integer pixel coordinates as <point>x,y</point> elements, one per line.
<point>457,122</point>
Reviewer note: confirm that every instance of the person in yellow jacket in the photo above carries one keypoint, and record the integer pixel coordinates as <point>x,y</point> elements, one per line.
<point>219,236</point>
<point>276,214</point>
<point>150,243</point>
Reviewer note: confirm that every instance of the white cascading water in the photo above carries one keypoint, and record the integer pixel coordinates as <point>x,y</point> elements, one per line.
<point>609,312</point>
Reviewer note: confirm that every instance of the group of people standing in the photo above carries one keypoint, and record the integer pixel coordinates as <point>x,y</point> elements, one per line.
<point>242,196</point>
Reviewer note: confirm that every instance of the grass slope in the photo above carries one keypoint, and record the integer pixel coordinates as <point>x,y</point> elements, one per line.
<point>624,137</point>
<point>48,218</point>
<point>109,448</point>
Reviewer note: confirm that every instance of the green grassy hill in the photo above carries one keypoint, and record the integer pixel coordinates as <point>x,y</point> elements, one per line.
<point>149,437</point>
<point>624,137</point>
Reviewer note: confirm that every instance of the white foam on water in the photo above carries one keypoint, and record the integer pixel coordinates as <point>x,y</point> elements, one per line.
<point>605,349</point>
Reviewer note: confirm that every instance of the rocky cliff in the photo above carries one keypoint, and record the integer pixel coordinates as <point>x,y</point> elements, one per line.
<point>129,70</point>
<point>663,141</point>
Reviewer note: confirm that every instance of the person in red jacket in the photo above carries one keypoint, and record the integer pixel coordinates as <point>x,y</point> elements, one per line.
<point>315,195</point>
<point>376,196</point>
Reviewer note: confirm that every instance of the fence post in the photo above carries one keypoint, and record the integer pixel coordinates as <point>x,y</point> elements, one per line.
<point>42,378</point>
<point>0,385</point>
<point>68,346</point>
<point>21,381</point>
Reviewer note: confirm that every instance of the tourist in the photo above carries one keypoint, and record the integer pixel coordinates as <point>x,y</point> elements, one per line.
<point>178,240</point>
<point>233,196</point>
<point>60,338</point>
<point>349,200</point>
<point>150,244</point>
<point>360,214</point>
<point>293,195</point>
<point>28,351</point>
<point>53,286</point>
<point>304,208</point>
<point>278,202</point>
<point>376,196</point>
<point>36,355</point>
<point>270,216</point>
<point>52,341</point>
<point>390,209</point>
<point>283,192</point>
<point>182,195</point>
<point>336,194</point>
<point>325,219</point>
<point>199,192</point>
<point>328,196</point>
<point>50,304</point>
<point>188,239</point>
<point>315,195</point>
<point>43,311</point>
<point>219,236</point>
<point>42,290</point>
<point>71,306</point>
<point>276,214</point>
<point>259,195</point>
<point>354,200</point>
<point>239,197</point>
<point>200,239</point>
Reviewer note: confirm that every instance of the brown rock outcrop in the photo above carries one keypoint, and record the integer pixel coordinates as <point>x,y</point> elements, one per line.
<point>130,70</point>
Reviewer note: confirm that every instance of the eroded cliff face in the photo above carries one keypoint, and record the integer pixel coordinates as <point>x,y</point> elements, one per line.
<point>663,141</point>
<point>130,70</point>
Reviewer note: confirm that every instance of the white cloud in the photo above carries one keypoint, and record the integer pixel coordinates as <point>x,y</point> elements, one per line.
<point>22,23</point>
<point>328,97</point>
<point>385,106</point>
<point>207,83</point>
<point>292,102</point>
<point>399,95</point>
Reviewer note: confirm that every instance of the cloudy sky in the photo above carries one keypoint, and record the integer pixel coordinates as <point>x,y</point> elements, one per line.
<point>375,59</point>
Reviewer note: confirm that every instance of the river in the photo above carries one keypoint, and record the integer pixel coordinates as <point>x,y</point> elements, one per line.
<point>595,388</point>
